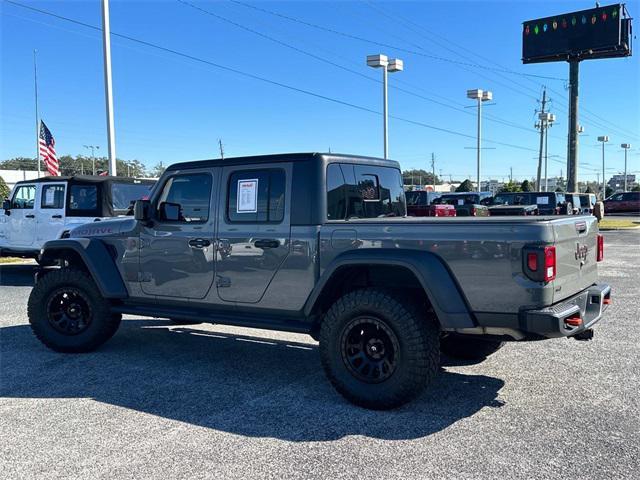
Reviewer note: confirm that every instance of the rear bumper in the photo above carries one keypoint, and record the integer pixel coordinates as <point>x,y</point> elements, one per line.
<point>571,316</point>
<point>567,318</point>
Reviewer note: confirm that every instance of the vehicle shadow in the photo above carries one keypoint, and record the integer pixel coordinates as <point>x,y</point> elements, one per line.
<point>17,275</point>
<point>252,386</point>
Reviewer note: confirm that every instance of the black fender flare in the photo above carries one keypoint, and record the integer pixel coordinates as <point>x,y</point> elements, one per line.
<point>438,282</point>
<point>96,258</point>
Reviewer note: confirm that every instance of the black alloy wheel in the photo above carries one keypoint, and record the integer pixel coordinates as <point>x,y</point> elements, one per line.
<point>68,311</point>
<point>369,349</point>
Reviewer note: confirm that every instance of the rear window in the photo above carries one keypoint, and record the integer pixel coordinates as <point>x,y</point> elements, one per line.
<point>512,199</point>
<point>122,194</point>
<point>416,198</point>
<point>364,191</point>
<point>458,199</point>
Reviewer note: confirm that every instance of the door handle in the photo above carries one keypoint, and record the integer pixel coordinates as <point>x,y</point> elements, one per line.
<point>199,242</point>
<point>29,216</point>
<point>56,216</point>
<point>267,243</point>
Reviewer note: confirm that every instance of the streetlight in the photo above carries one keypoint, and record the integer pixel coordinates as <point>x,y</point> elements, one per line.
<point>546,120</point>
<point>604,139</point>
<point>480,96</point>
<point>626,147</point>
<point>93,157</point>
<point>387,65</point>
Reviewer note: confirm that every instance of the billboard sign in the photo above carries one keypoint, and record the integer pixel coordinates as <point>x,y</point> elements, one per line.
<point>601,32</point>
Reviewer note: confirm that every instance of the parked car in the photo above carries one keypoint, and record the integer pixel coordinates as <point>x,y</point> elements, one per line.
<point>420,204</point>
<point>506,210</point>
<point>382,293</point>
<point>467,204</point>
<point>575,201</point>
<point>548,203</point>
<point>47,208</point>
<point>587,202</point>
<point>623,202</point>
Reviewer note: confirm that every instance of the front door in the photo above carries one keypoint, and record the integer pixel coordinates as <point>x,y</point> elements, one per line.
<point>50,216</point>
<point>21,224</point>
<point>253,229</point>
<point>177,246</point>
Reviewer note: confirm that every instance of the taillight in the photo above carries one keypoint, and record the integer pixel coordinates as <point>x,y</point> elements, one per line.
<point>600,254</point>
<point>539,263</point>
<point>473,211</point>
<point>549,263</point>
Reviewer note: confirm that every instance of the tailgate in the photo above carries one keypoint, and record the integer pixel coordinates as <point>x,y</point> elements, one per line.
<point>576,251</point>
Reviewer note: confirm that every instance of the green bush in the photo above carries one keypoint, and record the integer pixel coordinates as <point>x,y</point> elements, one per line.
<point>4,189</point>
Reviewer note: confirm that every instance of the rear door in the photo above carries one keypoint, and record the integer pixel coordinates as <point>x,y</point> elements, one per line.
<point>176,248</point>
<point>50,215</point>
<point>253,229</point>
<point>21,224</point>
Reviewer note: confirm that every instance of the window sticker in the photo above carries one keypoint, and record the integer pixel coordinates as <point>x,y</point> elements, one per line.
<point>49,197</point>
<point>460,202</point>
<point>542,200</point>
<point>247,196</point>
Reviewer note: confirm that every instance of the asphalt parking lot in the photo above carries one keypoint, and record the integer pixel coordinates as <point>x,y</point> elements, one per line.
<point>160,401</point>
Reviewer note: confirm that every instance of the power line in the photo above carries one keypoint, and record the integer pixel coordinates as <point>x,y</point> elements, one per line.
<point>382,44</point>
<point>492,118</point>
<point>263,79</point>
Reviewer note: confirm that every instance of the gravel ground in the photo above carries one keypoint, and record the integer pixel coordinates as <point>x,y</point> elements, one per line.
<point>219,402</point>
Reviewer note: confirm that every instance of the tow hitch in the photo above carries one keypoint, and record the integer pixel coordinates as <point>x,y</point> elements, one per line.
<point>584,335</point>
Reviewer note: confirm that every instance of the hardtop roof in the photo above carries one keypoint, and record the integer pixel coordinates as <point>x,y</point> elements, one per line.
<point>283,157</point>
<point>88,179</point>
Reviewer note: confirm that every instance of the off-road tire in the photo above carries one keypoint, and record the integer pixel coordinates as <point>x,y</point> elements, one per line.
<point>469,348</point>
<point>101,323</point>
<point>418,348</point>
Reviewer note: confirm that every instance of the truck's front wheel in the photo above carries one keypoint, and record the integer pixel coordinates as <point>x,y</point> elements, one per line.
<point>377,350</point>
<point>68,314</point>
<point>469,348</point>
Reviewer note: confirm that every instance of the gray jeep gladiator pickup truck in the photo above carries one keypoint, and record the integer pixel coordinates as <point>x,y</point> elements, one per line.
<point>321,244</point>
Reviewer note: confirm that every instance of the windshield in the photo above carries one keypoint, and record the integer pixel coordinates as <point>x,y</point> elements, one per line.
<point>122,194</point>
<point>458,199</point>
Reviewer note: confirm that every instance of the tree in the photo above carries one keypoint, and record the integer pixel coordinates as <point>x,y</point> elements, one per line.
<point>19,163</point>
<point>608,191</point>
<point>526,186</point>
<point>511,186</point>
<point>589,189</point>
<point>636,188</point>
<point>558,190</point>
<point>465,186</point>
<point>157,171</point>
<point>4,189</point>
<point>419,177</point>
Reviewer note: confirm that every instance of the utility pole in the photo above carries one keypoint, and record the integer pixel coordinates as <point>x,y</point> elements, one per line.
<point>106,44</point>
<point>572,147</point>
<point>510,174</point>
<point>221,149</point>
<point>541,126</point>
<point>433,169</point>
<point>35,83</point>
<point>603,139</point>
<point>626,147</point>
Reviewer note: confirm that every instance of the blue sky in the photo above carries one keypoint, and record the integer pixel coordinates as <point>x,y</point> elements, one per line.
<point>169,108</point>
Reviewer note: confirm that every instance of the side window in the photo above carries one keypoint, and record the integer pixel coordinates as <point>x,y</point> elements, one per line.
<point>83,197</point>
<point>336,193</point>
<point>24,197</point>
<point>256,196</point>
<point>52,196</point>
<point>185,198</point>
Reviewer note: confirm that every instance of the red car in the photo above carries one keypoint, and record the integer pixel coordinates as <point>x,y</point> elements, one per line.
<point>623,202</point>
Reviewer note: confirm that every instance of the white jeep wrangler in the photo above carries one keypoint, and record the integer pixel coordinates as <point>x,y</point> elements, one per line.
<point>47,208</point>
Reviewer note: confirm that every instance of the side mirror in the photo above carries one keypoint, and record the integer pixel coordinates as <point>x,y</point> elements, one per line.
<point>170,212</point>
<point>141,210</point>
<point>6,206</point>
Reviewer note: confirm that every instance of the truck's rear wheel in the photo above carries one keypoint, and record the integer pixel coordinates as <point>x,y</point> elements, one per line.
<point>68,314</point>
<point>469,348</point>
<point>378,352</point>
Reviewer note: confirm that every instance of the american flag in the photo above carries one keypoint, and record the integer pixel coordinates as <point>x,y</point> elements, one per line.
<point>48,151</point>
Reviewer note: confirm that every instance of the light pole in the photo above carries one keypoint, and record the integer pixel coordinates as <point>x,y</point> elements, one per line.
<point>546,120</point>
<point>480,96</point>
<point>603,139</point>
<point>387,65</point>
<point>626,147</point>
<point>93,157</point>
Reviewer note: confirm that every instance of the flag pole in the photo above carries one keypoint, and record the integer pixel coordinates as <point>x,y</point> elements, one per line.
<point>35,84</point>
<point>106,45</point>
